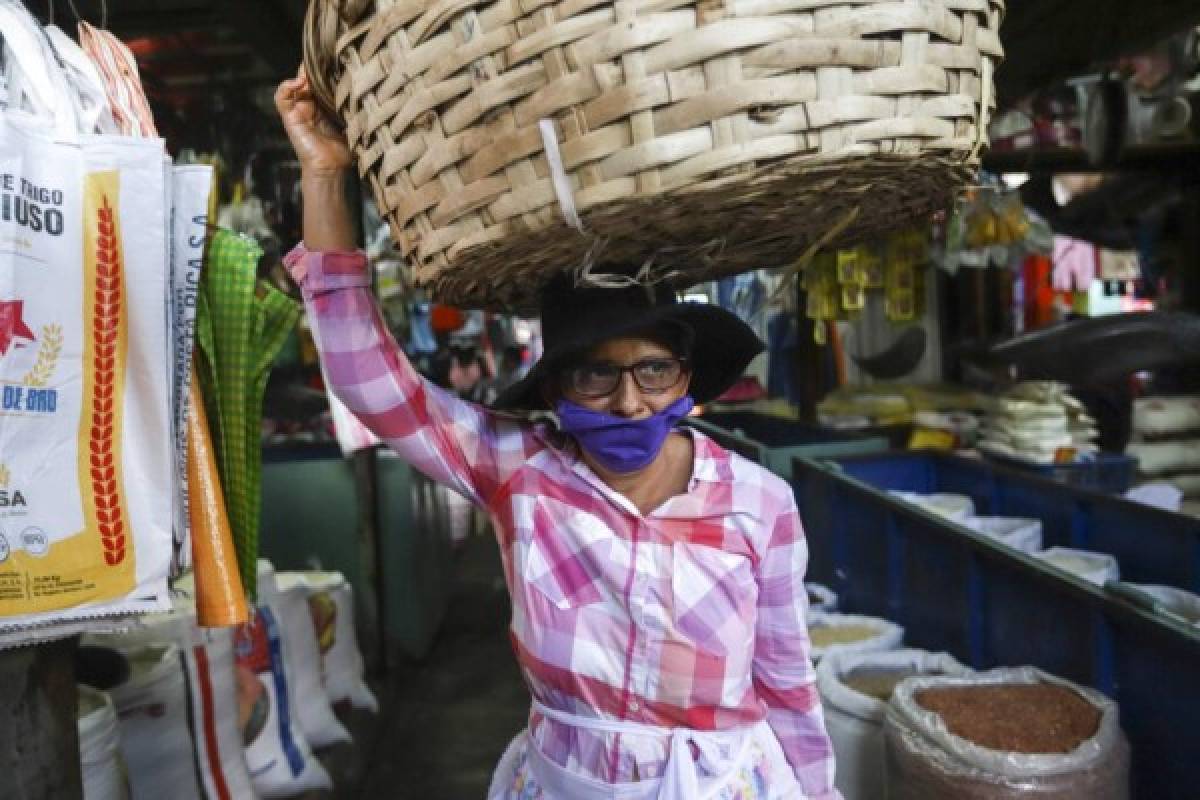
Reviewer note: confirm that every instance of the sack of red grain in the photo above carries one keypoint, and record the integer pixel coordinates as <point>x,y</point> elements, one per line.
<point>855,689</point>
<point>1007,733</point>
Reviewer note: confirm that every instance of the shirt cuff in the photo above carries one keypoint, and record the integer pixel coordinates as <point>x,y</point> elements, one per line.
<point>318,271</point>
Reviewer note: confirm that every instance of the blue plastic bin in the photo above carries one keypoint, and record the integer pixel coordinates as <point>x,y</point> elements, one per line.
<point>1151,545</point>
<point>990,605</point>
<point>1111,473</point>
<point>775,441</point>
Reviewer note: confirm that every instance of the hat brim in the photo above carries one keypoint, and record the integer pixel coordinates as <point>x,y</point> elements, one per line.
<point>723,347</point>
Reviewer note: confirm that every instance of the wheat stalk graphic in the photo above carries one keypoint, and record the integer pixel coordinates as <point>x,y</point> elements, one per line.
<point>105,329</point>
<point>47,358</point>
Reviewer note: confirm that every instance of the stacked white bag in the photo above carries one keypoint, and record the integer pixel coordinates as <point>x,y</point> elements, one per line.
<point>156,740</point>
<point>209,671</point>
<point>280,758</point>
<point>86,369</point>
<point>1038,422</point>
<point>100,747</point>
<point>1166,444</point>
<point>331,603</point>
<point>303,656</point>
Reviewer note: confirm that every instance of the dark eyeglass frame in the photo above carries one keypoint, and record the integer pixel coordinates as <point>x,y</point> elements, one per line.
<point>567,376</point>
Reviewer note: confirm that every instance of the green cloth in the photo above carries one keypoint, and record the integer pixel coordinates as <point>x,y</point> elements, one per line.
<point>241,323</point>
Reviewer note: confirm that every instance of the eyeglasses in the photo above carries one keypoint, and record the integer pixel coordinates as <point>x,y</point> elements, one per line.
<point>601,378</point>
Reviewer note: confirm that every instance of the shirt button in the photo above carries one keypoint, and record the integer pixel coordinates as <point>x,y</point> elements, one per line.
<point>634,705</point>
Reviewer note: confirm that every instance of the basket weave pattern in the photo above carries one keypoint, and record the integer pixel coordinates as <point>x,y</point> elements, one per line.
<point>711,136</point>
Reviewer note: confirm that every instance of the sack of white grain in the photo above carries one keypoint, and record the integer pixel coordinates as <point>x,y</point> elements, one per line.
<point>100,747</point>
<point>208,666</point>
<point>279,757</point>
<point>1166,416</point>
<point>1007,734</point>
<point>855,689</point>
<point>1016,532</point>
<point>302,654</point>
<point>156,738</point>
<point>331,602</point>
<point>820,597</point>
<point>1097,568</point>
<point>851,633</point>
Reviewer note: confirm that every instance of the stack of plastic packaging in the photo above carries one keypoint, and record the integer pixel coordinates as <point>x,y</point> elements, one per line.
<point>90,423</point>
<point>1166,444</point>
<point>1039,422</point>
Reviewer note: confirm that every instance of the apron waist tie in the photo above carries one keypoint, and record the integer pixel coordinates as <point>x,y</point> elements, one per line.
<point>680,779</point>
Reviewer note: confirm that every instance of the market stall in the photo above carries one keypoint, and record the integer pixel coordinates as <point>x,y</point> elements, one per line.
<point>966,234</point>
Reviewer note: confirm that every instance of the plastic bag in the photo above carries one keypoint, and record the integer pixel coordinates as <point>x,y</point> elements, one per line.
<point>1017,532</point>
<point>854,720</point>
<point>821,598</point>
<point>851,633</point>
<point>925,761</point>
<point>1097,568</point>
<point>84,417</point>
<point>331,602</point>
<point>957,507</point>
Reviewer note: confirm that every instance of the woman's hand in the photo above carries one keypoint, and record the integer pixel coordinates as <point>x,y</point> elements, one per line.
<point>319,145</point>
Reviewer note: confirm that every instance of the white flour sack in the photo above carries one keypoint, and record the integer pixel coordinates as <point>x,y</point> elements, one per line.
<point>85,450</point>
<point>100,748</point>
<point>280,760</point>
<point>208,666</point>
<point>156,739</point>
<point>331,603</point>
<point>303,656</point>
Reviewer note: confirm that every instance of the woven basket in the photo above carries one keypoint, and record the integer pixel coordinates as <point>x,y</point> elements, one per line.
<point>507,140</point>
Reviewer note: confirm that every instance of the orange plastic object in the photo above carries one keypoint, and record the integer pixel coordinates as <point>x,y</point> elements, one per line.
<point>220,597</point>
<point>446,319</point>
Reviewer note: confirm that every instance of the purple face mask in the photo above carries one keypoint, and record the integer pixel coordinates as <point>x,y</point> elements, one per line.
<point>619,444</point>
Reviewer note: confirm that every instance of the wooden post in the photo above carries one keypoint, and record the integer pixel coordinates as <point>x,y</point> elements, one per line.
<point>39,740</point>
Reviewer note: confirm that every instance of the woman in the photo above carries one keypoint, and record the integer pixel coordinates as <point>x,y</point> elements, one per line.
<point>656,579</point>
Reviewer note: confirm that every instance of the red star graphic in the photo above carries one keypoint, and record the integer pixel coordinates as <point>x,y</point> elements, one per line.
<point>11,324</point>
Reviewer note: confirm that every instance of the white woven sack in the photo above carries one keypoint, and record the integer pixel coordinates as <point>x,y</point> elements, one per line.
<point>854,720</point>
<point>331,601</point>
<point>156,739</point>
<point>1162,458</point>
<point>1097,568</point>
<point>1164,416</point>
<point>279,757</point>
<point>84,362</point>
<point>212,677</point>
<point>100,747</point>
<point>1019,533</point>
<point>821,598</point>
<point>887,635</point>
<point>303,656</point>
<point>208,665</point>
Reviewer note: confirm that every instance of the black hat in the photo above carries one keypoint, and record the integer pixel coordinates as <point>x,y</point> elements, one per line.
<point>576,319</point>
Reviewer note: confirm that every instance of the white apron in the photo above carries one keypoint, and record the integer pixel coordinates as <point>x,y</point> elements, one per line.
<point>681,779</point>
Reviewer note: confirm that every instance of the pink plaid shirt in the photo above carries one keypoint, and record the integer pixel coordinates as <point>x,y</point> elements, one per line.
<point>692,615</point>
